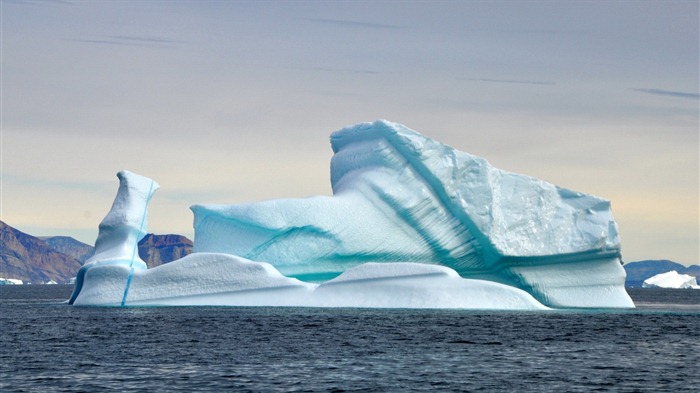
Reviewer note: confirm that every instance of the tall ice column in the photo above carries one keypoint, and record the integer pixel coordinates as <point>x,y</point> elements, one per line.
<point>123,227</point>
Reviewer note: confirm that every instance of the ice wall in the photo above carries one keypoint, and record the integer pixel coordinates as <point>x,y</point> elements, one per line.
<point>402,197</point>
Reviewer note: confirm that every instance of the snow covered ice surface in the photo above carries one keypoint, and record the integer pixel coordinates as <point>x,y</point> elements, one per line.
<point>411,223</point>
<point>671,279</point>
<point>221,279</point>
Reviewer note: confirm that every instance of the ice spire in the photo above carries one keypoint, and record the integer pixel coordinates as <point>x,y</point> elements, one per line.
<point>122,228</point>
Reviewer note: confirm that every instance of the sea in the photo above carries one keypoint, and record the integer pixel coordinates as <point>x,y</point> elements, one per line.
<point>49,346</point>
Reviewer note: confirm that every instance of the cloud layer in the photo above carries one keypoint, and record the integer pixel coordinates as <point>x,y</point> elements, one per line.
<point>229,102</point>
<point>669,93</point>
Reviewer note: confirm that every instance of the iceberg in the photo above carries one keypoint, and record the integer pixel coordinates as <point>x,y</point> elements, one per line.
<point>411,223</point>
<point>10,281</point>
<point>671,279</point>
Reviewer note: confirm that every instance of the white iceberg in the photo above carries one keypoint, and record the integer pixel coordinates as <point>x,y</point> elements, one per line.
<point>671,279</point>
<point>412,223</point>
<point>10,281</point>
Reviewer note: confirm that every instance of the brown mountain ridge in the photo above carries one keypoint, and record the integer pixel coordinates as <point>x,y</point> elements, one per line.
<point>58,258</point>
<point>32,260</point>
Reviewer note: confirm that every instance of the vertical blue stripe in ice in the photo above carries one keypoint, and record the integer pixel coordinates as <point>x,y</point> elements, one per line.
<point>136,245</point>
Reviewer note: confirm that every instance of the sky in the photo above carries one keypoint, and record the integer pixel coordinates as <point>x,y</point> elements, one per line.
<point>234,101</point>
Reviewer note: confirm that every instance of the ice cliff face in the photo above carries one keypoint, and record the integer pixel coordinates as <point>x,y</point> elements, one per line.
<point>516,215</point>
<point>402,197</point>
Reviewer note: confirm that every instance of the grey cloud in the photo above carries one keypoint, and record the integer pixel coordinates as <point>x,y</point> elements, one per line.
<point>138,41</point>
<point>668,93</point>
<point>37,2</point>
<point>328,69</point>
<point>197,196</point>
<point>46,182</point>
<point>352,23</point>
<point>515,81</point>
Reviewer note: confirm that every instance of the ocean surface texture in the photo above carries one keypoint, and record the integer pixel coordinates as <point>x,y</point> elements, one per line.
<point>50,346</point>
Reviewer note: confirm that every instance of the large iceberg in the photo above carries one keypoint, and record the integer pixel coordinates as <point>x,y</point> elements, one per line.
<point>411,223</point>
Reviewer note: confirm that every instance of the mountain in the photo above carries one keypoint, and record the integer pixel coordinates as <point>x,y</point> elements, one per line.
<point>39,260</point>
<point>32,260</point>
<point>156,250</point>
<point>70,246</point>
<point>639,271</point>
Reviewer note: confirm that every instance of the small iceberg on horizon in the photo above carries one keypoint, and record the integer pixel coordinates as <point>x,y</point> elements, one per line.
<point>412,223</point>
<point>11,281</point>
<point>671,279</point>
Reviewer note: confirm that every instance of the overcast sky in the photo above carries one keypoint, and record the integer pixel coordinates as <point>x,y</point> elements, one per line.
<point>233,101</point>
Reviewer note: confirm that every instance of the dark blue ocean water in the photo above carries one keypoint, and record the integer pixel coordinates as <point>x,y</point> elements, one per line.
<point>51,347</point>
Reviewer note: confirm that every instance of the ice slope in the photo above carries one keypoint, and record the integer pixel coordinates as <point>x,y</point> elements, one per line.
<point>671,280</point>
<point>399,196</point>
